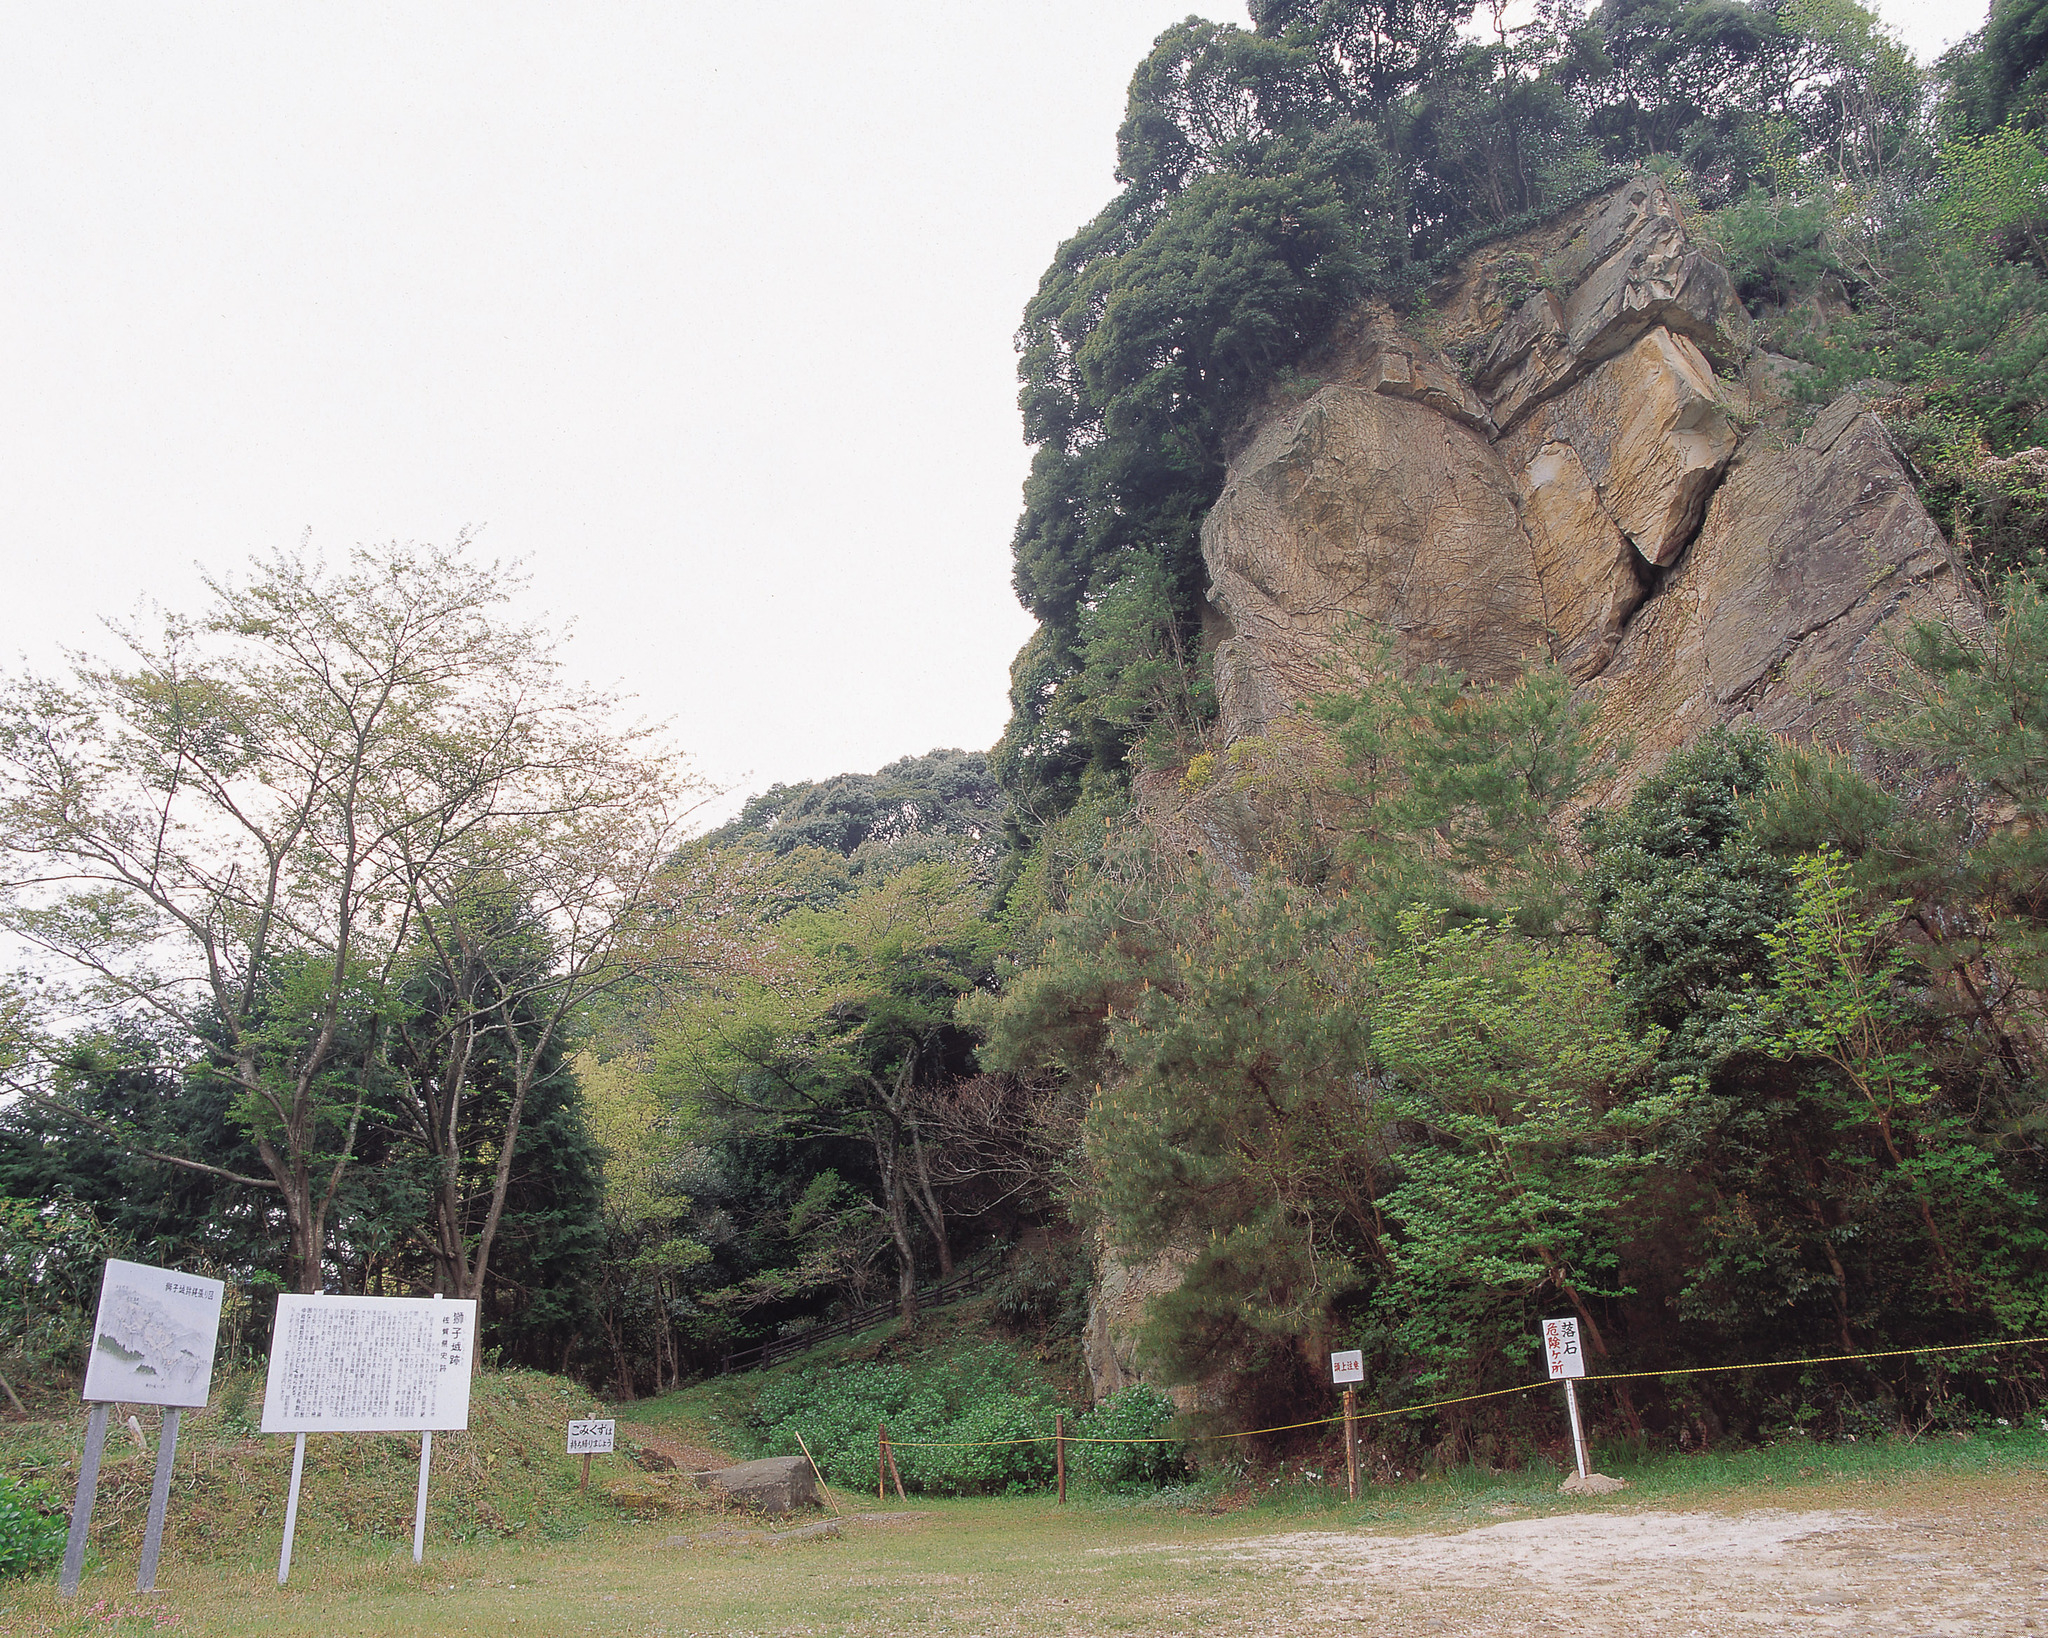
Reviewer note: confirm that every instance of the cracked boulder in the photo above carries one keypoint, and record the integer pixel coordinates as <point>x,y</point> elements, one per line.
<point>1589,573</point>
<point>1621,267</point>
<point>774,1484</point>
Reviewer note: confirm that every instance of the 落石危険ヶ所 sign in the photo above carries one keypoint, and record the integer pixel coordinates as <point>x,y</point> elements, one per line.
<point>369,1364</point>
<point>1561,1348</point>
<point>591,1438</point>
<point>153,1337</point>
<point>1348,1366</point>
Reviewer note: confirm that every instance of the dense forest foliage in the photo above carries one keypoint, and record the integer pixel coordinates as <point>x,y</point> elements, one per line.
<point>1748,1066</point>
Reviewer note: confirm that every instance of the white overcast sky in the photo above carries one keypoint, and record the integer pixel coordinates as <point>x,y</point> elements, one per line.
<point>704,310</point>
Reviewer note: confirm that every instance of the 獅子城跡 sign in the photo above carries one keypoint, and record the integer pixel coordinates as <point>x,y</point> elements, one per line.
<point>369,1364</point>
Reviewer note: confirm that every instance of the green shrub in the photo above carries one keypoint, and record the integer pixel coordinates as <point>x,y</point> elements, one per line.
<point>1137,1413</point>
<point>32,1527</point>
<point>1776,251</point>
<point>951,1419</point>
<point>1044,1294</point>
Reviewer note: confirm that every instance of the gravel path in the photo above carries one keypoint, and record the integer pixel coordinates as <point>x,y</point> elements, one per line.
<point>1963,1564</point>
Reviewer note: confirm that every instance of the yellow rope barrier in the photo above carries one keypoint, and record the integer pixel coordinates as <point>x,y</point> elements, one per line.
<point>1466,1399</point>
<point>1822,1359</point>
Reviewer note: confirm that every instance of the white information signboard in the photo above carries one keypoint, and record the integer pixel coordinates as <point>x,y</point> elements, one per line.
<point>1561,1348</point>
<point>369,1364</point>
<point>590,1438</point>
<point>153,1338</point>
<point>1348,1366</point>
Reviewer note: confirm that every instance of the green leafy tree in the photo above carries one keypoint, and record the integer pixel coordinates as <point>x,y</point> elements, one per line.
<point>254,817</point>
<point>1527,1088</point>
<point>1457,789</point>
<point>839,1027</point>
<point>1840,978</point>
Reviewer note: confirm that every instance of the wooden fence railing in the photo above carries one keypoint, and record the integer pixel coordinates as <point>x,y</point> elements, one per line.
<point>962,1282</point>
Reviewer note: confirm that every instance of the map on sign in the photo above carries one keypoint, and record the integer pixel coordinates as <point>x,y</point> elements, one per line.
<point>1561,1348</point>
<point>590,1438</point>
<point>1348,1366</point>
<point>369,1364</point>
<point>153,1337</point>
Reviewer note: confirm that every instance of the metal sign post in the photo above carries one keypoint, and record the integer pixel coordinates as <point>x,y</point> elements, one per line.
<point>419,1501</point>
<point>153,1337</point>
<point>1561,1353</point>
<point>159,1499</point>
<point>81,1504</point>
<point>367,1365</point>
<point>291,1511</point>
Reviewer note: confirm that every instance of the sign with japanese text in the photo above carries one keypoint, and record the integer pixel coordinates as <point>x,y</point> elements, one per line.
<point>1348,1366</point>
<point>590,1438</point>
<point>1561,1348</point>
<point>153,1337</point>
<point>369,1364</point>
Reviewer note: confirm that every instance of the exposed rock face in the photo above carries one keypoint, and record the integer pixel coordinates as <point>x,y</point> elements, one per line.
<point>1582,490</point>
<point>1110,1343</point>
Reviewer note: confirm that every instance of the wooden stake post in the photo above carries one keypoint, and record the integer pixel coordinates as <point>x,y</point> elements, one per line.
<point>1059,1451</point>
<point>1348,1366</point>
<point>595,1437</point>
<point>1351,1442</point>
<point>889,1455</point>
<point>816,1472</point>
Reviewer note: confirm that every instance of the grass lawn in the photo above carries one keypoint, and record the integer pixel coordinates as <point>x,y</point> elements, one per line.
<point>1180,1563</point>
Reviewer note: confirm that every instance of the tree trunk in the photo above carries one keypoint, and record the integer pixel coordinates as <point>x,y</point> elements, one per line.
<point>889,1162</point>
<point>928,1202</point>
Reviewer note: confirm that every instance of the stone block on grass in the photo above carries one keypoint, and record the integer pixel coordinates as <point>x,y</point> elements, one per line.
<point>774,1484</point>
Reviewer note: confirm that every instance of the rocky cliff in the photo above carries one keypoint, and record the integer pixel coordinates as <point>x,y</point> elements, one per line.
<point>1578,450</point>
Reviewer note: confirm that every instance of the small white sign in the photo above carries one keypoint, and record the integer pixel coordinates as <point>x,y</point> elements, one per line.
<point>1348,1366</point>
<point>591,1438</point>
<point>153,1337</point>
<point>369,1364</point>
<point>1561,1348</point>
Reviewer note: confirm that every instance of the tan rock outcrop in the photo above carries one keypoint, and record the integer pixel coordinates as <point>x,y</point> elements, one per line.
<point>1359,511</point>
<point>1585,490</point>
<point>1613,270</point>
<point>1650,433</point>
<point>1814,559</point>
<point>1591,576</point>
<point>1116,1311</point>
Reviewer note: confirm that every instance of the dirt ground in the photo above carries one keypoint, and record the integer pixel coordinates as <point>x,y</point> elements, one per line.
<point>1962,1559</point>
<point>1906,1555</point>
